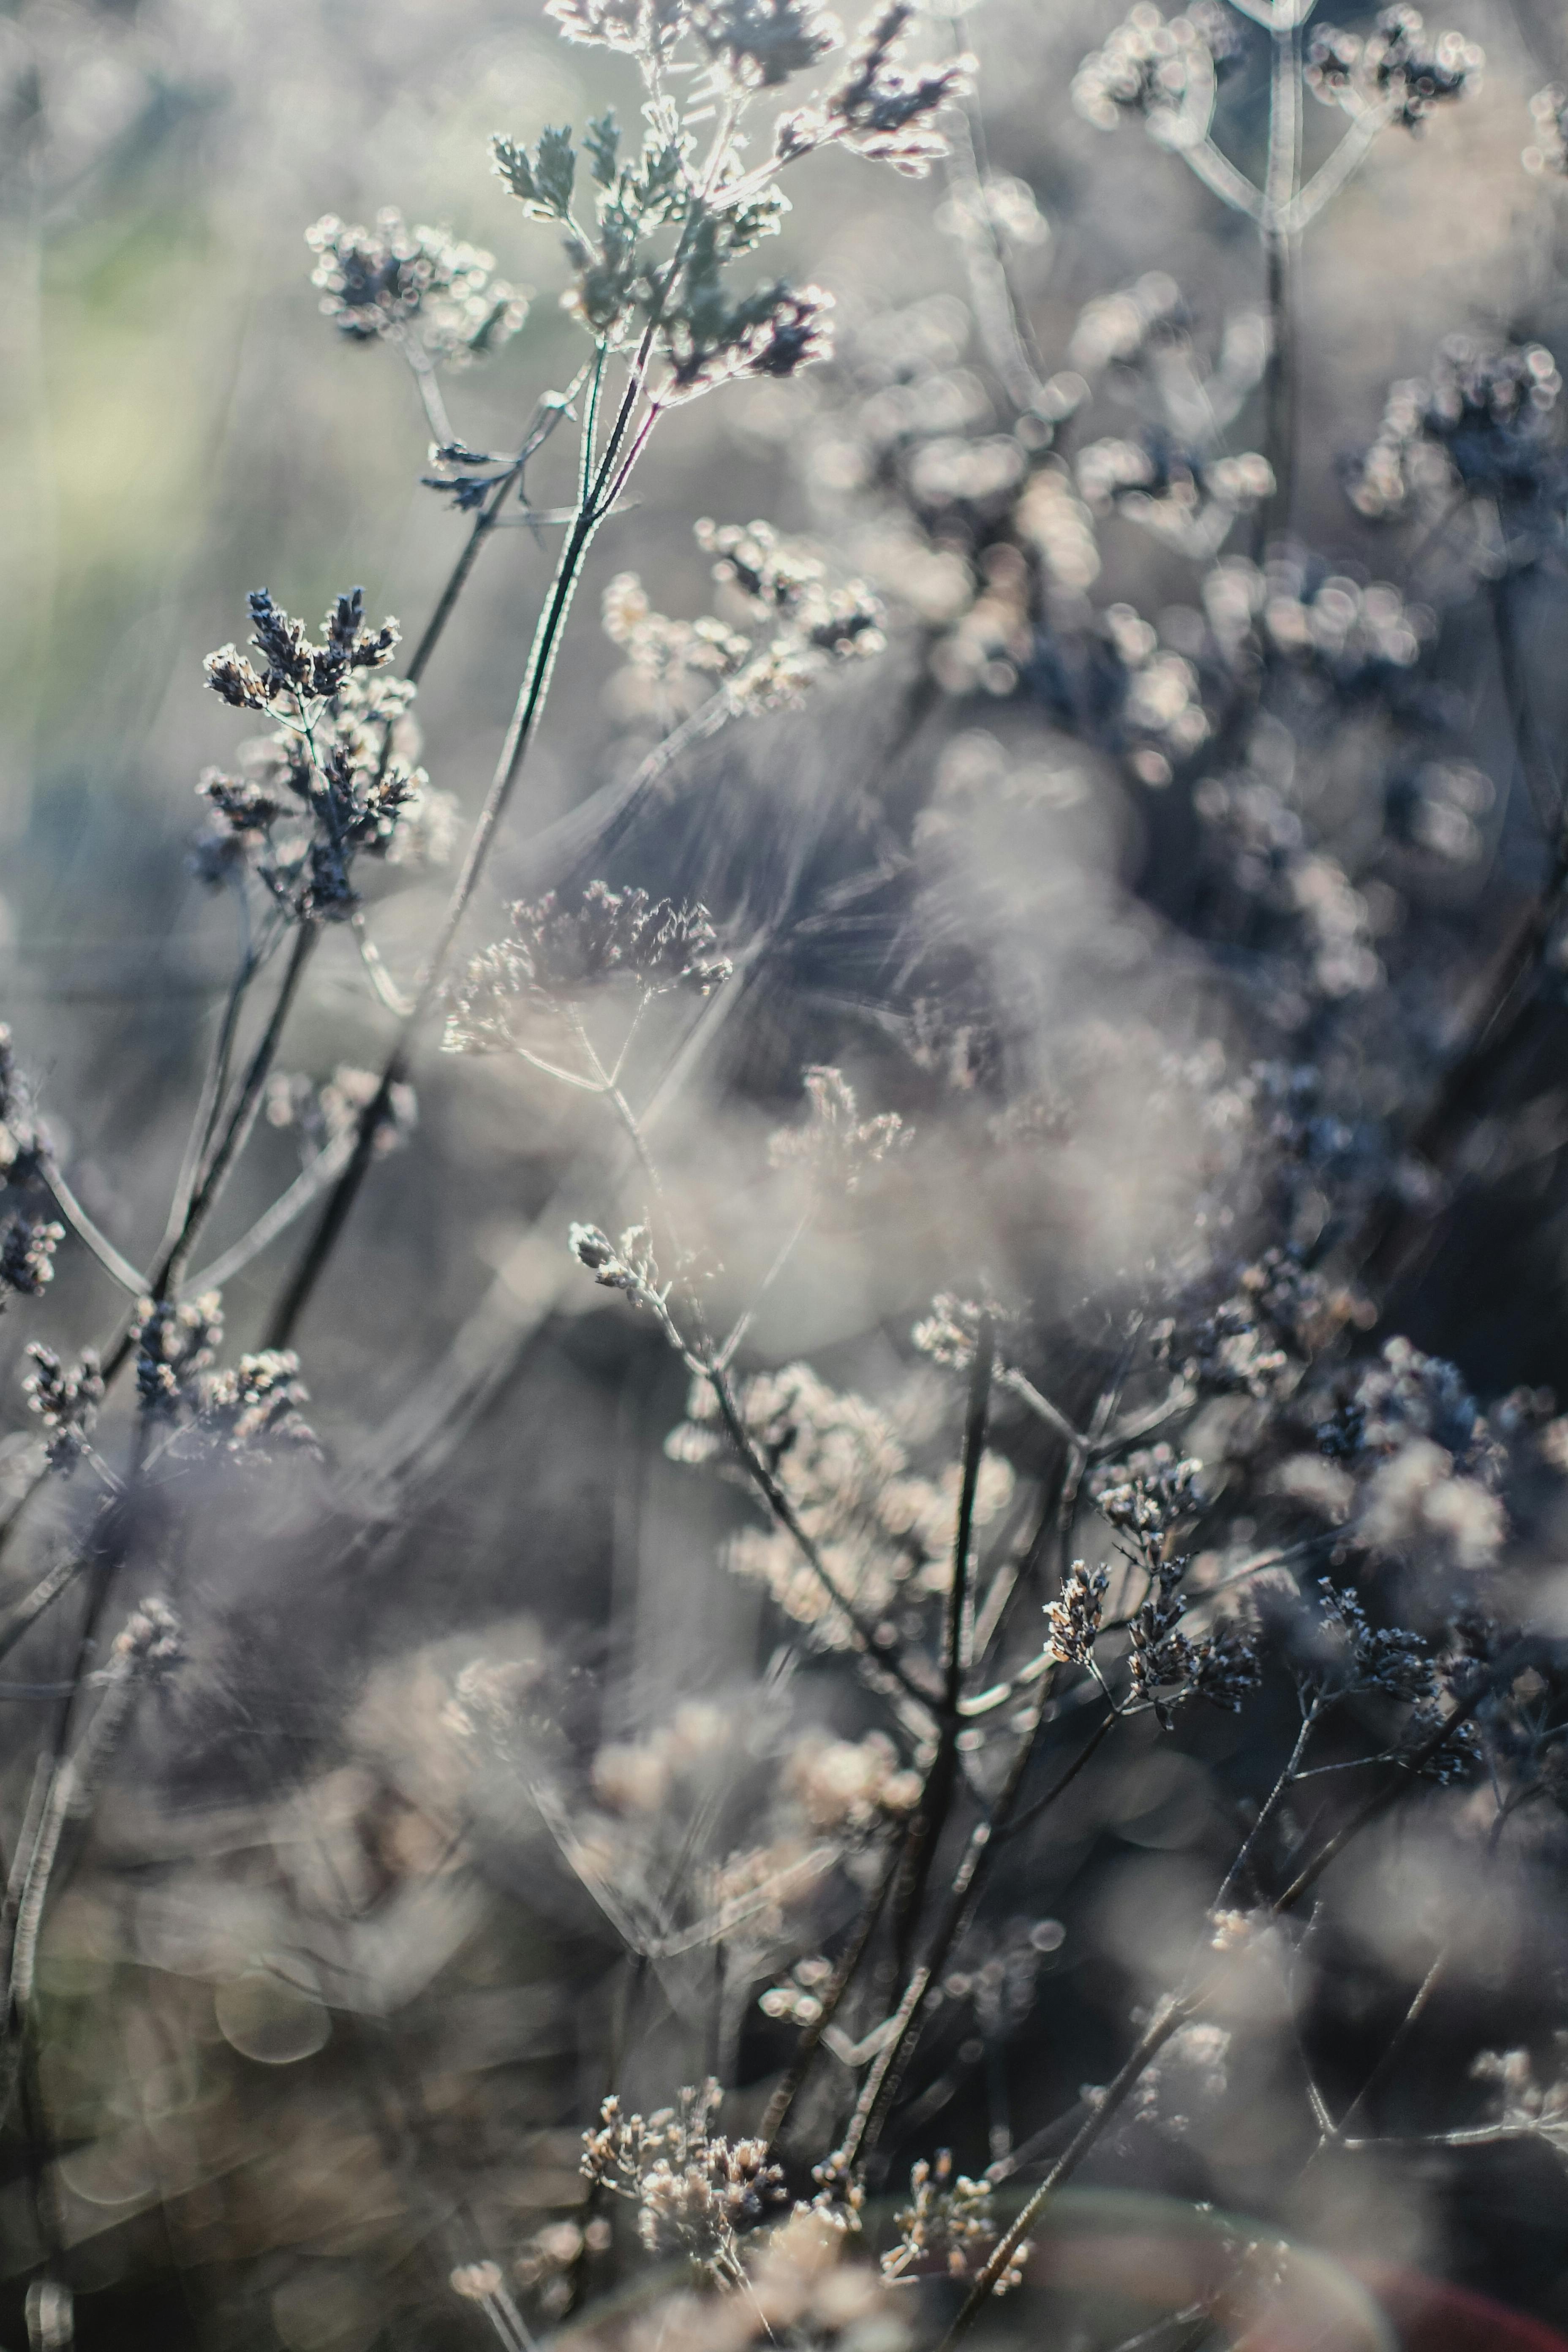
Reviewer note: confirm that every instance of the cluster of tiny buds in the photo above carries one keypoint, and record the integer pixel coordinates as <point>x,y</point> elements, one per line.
<point>798,1998</point>
<point>555,956</point>
<point>294,666</point>
<point>695,2191</point>
<point>950,1334</point>
<point>879,110</point>
<point>477,2282</point>
<point>1548,150</point>
<point>1400,67</point>
<point>27,1255</point>
<point>67,1402</point>
<point>19,1137</point>
<point>947,2225</point>
<point>628,1266</point>
<point>1072,1621</point>
<point>173,1343</point>
<point>1148,64</point>
<point>391,280</point>
<point>149,1643</point>
<point>835,1145</point>
<point>1150,1496</point>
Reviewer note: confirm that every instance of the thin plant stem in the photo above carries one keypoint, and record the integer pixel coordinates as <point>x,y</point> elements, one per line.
<point>1282,183</point>
<point>308,1186</point>
<point>214,1082</point>
<point>958,1629</point>
<point>881,2084</point>
<point>1167,2021</point>
<point>547,417</point>
<point>1186,2003</point>
<point>422,368</point>
<point>1391,1237</point>
<point>33,1603</point>
<point>1272,1803</point>
<point>603,478</point>
<point>792,2082</point>
<point>608,480</point>
<point>869,1639</point>
<point>119,1269</point>
<point>165,1276</point>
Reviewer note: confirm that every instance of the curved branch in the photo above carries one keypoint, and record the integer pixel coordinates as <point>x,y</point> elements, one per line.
<point>1340,167</point>
<point>81,1224</point>
<point>1218,175</point>
<point>277,1219</point>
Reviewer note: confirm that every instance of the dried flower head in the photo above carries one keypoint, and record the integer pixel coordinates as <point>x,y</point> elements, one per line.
<point>66,1403</point>
<point>334,780</point>
<point>1400,67</point>
<point>761,43</point>
<point>879,108</point>
<point>27,1247</point>
<point>1149,1495</point>
<point>1167,1665</point>
<point>627,1266</point>
<point>1520,2100</point>
<point>1150,67</point>
<point>1481,425</point>
<point>557,955</point>
<point>637,28</point>
<point>1548,150</point>
<point>1387,1659</point>
<point>149,1643</point>
<point>251,1409</point>
<point>255,1406</point>
<point>296,670</point>
<point>850,1785</point>
<point>836,1146</point>
<point>796,628</point>
<point>1072,1621</point>
<point>396,282</point>
<point>950,1334</point>
<point>884,1533</point>
<point>21,1139</point>
<point>695,2191</point>
<point>948,2227</point>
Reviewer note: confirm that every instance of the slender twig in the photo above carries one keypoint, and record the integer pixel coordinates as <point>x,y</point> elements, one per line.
<point>1281,182</point>
<point>547,417</point>
<point>1000,316</point>
<point>957,1641</point>
<point>608,481</point>
<point>960,1626</point>
<point>214,1078</point>
<point>792,2082</point>
<point>1334,2134</point>
<point>1017,1822</point>
<point>164,1276</point>
<point>1311,1717</point>
<point>1331,177</point>
<point>1219,174</point>
<point>102,1248</point>
<point>604,473</point>
<point>422,368</point>
<point>877,1644</point>
<point>1536,765</point>
<point>1186,2003</point>
<point>881,2087</point>
<point>308,1186</point>
<point>22,1613</point>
